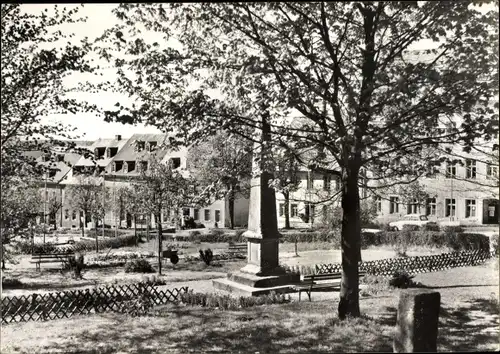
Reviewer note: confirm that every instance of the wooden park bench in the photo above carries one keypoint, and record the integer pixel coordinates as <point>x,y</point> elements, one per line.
<point>319,282</point>
<point>53,257</point>
<point>237,248</point>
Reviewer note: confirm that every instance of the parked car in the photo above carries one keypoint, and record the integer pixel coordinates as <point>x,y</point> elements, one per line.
<point>410,219</point>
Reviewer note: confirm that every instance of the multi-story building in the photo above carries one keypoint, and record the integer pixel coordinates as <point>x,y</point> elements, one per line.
<point>465,193</point>
<point>115,163</point>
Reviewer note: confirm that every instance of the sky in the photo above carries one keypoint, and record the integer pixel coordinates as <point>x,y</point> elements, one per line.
<point>89,126</point>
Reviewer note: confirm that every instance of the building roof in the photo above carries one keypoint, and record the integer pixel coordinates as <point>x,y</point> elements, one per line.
<point>101,143</point>
<point>129,153</point>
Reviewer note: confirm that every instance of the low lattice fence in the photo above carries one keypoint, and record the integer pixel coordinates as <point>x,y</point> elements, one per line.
<point>414,265</point>
<point>42,307</point>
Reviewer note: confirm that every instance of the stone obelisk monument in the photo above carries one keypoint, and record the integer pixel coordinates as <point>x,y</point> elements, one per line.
<point>262,273</point>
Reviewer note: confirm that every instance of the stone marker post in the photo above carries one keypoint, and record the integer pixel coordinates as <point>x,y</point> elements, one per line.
<point>262,273</point>
<point>417,321</point>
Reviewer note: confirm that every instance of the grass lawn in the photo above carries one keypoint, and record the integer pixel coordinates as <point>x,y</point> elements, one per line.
<point>469,321</point>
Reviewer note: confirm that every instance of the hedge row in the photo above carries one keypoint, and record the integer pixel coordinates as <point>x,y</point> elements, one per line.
<point>25,247</point>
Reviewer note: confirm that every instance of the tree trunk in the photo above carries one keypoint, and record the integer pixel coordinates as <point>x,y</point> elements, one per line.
<point>160,236</point>
<point>286,194</point>
<point>135,230</point>
<point>350,245</point>
<point>147,227</point>
<point>83,224</point>
<point>231,207</point>
<point>96,237</point>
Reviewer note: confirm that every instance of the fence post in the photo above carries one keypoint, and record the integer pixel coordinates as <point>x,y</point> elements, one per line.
<point>417,321</point>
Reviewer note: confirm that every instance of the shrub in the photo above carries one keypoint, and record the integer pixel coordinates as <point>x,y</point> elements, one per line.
<point>332,236</point>
<point>227,302</point>
<point>494,244</point>
<point>411,227</point>
<point>11,283</point>
<point>189,223</point>
<point>194,234</point>
<point>401,279</point>
<point>431,226</point>
<point>139,265</point>
<point>207,256</point>
<point>451,230</point>
<point>76,265</point>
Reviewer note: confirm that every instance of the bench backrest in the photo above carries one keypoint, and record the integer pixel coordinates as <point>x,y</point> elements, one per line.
<point>237,246</point>
<point>52,255</point>
<point>326,276</point>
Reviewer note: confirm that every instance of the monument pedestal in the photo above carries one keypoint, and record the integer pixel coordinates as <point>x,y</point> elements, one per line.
<point>262,274</point>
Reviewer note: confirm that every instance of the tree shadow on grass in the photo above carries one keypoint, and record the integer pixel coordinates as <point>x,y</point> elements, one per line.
<point>263,329</point>
<point>473,326</point>
<point>469,327</point>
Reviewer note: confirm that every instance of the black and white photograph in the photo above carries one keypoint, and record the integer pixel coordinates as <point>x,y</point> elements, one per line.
<point>250,177</point>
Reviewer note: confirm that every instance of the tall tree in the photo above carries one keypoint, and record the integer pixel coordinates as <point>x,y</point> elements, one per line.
<point>36,59</point>
<point>224,163</point>
<point>272,61</point>
<point>87,196</point>
<point>161,188</point>
<point>20,206</point>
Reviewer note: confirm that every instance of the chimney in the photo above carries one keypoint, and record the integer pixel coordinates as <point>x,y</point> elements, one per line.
<point>118,137</point>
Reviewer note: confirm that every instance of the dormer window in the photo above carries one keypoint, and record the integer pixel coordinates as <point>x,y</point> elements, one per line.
<point>153,145</point>
<point>140,145</point>
<point>117,166</point>
<point>111,152</point>
<point>130,166</point>
<point>176,162</point>
<point>52,172</point>
<point>45,158</point>
<point>60,158</point>
<point>99,152</point>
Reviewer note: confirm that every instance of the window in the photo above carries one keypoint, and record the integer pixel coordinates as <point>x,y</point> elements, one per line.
<point>185,211</point>
<point>152,145</point>
<point>470,208</point>
<point>394,205</point>
<point>176,162</point>
<point>207,214</point>
<point>451,170</point>
<point>99,152</point>
<point>52,172</point>
<point>294,212</point>
<point>130,166</point>
<point>73,215</point>
<point>327,180</point>
<point>412,207</point>
<point>118,165</point>
<point>470,168</point>
<point>325,212</point>
<point>112,151</point>
<point>217,215</point>
<point>491,171</point>
<point>60,158</point>
<point>450,207</point>
<point>140,145</point>
<point>196,214</point>
<point>431,206</point>
<point>66,214</point>
<point>282,209</point>
<point>378,203</point>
